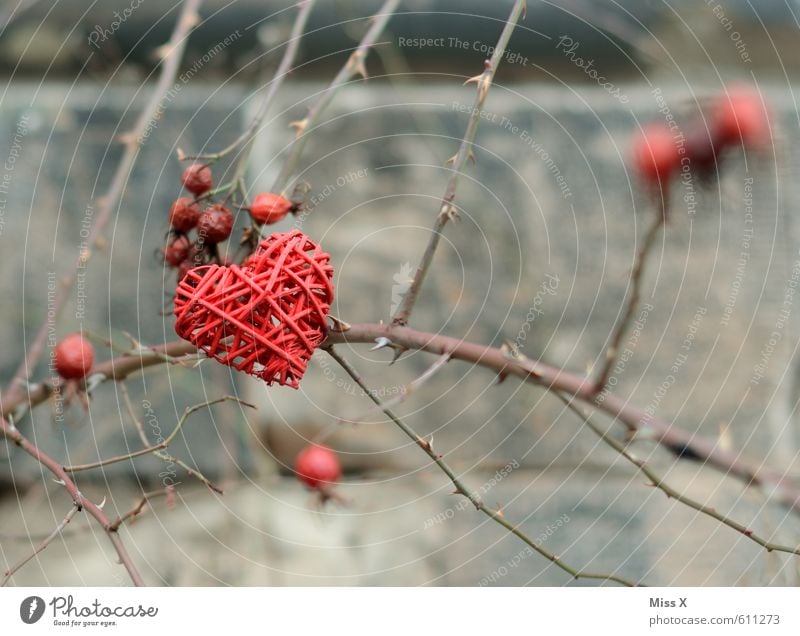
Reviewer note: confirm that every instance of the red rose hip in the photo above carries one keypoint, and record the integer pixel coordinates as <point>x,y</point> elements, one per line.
<point>269,207</point>
<point>317,467</point>
<point>739,116</point>
<point>655,155</point>
<point>177,251</point>
<point>183,214</point>
<point>215,223</point>
<point>197,179</point>
<point>74,357</point>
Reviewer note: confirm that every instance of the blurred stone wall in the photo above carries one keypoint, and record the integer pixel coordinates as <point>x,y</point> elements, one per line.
<point>549,223</point>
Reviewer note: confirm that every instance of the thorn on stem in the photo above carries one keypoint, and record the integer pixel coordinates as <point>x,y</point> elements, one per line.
<point>299,126</point>
<point>339,326</point>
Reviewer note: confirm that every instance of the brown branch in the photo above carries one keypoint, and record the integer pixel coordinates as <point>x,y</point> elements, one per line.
<point>612,353</point>
<point>13,435</point>
<point>680,441</point>
<point>658,482</point>
<point>137,509</point>
<point>165,457</point>
<point>461,489</point>
<point>41,547</point>
<point>157,449</point>
<point>172,54</point>
<point>447,210</point>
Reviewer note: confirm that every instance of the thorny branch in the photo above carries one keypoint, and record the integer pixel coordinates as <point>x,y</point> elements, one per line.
<point>42,546</point>
<point>462,489</point>
<point>354,66</point>
<point>658,482</point>
<point>171,53</point>
<point>680,441</point>
<point>156,448</point>
<point>612,352</point>
<point>12,434</point>
<point>447,210</point>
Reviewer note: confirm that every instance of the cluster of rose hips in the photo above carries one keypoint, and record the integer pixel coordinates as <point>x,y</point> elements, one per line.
<point>736,118</point>
<point>212,222</point>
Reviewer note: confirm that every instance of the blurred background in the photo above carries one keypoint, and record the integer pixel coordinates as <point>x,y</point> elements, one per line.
<point>551,216</point>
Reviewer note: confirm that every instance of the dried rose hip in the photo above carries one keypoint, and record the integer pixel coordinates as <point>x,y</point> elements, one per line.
<point>183,214</point>
<point>74,357</point>
<point>197,179</point>
<point>268,207</point>
<point>215,223</point>
<point>177,251</point>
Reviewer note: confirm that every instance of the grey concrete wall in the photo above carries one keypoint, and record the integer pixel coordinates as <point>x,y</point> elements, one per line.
<point>550,198</point>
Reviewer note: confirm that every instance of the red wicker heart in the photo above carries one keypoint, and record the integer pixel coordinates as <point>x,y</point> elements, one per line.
<point>264,318</point>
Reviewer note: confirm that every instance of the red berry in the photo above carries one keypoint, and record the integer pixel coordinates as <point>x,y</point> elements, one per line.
<point>177,252</point>
<point>183,214</point>
<point>74,357</point>
<point>197,179</point>
<point>317,467</point>
<point>270,208</point>
<point>739,116</point>
<point>655,155</point>
<point>215,223</point>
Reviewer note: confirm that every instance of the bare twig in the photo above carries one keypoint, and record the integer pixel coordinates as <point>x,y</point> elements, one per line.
<point>462,489</point>
<point>353,66</point>
<point>137,509</point>
<point>284,68</point>
<point>171,58</point>
<point>163,456</point>
<point>410,388</point>
<point>447,210</point>
<point>126,397</point>
<point>633,300</point>
<point>658,482</point>
<point>162,445</point>
<point>41,547</point>
<point>12,434</point>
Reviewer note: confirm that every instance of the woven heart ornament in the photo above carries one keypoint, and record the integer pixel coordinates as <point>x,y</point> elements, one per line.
<point>264,318</point>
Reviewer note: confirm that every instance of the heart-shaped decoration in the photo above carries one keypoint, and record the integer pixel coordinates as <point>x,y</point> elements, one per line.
<point>264,318</point>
